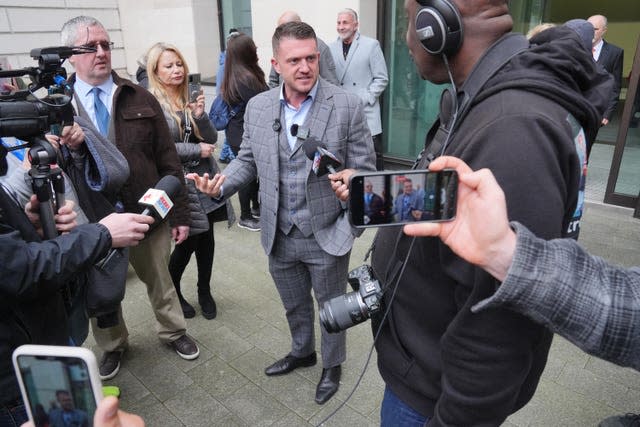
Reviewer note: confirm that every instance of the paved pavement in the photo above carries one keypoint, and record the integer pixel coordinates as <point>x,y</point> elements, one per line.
<point>226,385</point>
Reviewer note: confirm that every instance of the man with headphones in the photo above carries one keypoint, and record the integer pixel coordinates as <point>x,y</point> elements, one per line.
<point>516,109</point>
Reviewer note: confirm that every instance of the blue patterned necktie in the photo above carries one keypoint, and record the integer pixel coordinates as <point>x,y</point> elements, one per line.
<point>102,114</point>
<point>406,207</point>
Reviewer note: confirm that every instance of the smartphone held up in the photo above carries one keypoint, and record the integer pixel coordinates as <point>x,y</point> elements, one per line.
<point>378,199</point>
<point>194,83</point>
<point>60,385</point>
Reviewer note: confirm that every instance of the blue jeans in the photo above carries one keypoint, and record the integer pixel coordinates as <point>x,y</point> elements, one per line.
<point>395,413</point>
<point>13,415</point>
<point>226,152</point>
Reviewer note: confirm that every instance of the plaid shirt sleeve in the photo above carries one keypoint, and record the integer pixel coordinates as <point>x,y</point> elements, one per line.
<point>585,299</point>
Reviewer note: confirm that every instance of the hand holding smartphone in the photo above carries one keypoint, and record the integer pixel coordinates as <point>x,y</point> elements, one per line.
<point>378,199</point>
<point>59,385</point>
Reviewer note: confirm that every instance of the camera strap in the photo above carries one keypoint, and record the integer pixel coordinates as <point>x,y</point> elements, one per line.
<point>187,127</point>
<point>494,59</point>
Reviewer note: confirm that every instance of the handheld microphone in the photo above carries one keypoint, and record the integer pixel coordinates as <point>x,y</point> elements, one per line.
<point>157,201</point>
<point>157,204</point>
<point>323,160</point>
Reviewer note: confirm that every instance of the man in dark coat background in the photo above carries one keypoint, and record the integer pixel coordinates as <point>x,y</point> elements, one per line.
<point>611,58</point>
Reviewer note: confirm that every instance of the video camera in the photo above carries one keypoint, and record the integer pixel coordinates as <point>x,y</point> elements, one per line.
<point>25,116</point>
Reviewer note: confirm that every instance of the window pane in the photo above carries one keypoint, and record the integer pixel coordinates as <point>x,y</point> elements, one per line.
<point>410,103</point>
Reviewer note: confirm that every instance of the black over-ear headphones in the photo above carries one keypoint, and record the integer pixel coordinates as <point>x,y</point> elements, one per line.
<point>439,27</point>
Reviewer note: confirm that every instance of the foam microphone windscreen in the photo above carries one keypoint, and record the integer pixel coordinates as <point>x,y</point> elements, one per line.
<point>170,185</point>
<point>158,201</point>
<point>310,147</point>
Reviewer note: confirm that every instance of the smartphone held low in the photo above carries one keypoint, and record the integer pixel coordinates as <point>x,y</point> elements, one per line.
<point>60,385</point>
<point>378,199</point>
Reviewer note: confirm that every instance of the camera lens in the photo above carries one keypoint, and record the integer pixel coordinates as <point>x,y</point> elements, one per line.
<point>343,312</point>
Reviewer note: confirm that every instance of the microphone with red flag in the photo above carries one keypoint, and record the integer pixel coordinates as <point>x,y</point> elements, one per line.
<point>323,160</point>
<point>157,201</point>
<point>157,204</point>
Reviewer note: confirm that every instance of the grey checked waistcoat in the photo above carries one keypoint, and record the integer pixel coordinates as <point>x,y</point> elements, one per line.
<point>292,204</point>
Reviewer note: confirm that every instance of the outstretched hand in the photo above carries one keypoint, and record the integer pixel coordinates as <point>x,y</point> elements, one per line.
<point>480,233</point>
<point>211,187</point>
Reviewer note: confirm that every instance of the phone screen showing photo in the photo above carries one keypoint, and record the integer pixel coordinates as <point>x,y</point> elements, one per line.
<point>58,389</point>
<point>400,197</point>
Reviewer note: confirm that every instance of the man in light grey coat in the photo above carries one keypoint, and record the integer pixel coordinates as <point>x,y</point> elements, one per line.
<point>305,229</point>
<point>361,69</point>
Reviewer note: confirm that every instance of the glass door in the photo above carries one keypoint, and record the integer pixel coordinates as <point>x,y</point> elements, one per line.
<point>410,104</point>
<point>623,187</point>
<point>526,14</point>
<point>234,14</point>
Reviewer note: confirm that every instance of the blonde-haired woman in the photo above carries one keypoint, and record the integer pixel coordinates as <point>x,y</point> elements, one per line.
<point>195,137</point>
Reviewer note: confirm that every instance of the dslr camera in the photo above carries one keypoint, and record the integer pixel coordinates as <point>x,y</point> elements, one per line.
<point>355,307</point>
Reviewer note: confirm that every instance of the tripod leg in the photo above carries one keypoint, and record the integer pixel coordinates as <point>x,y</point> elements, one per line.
<point>42,189</point>
<point>57,180</point>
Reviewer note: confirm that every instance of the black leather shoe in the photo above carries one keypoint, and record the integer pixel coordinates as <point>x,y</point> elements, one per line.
<point>328,385</point>
<point>289,363</point>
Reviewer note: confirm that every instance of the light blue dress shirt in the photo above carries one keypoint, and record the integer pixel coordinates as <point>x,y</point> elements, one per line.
<point>296,116</point>
<point>84,95</point>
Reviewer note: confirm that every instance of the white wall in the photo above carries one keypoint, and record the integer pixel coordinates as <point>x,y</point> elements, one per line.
<point>190,25</point>
<point>29,24</point>
<point>320,14</point>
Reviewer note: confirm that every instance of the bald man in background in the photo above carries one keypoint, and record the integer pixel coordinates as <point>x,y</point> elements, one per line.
<point>327,66</point>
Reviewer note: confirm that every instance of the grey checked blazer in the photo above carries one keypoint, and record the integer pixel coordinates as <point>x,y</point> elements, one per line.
<point>336,118</point>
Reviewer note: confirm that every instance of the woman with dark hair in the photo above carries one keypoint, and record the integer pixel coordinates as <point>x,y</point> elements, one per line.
<point>195,137</point>
<point>243,79</point>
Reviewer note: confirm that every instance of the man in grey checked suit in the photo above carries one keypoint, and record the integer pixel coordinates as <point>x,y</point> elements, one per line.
<point>361,69</point>
<point>305,229</point>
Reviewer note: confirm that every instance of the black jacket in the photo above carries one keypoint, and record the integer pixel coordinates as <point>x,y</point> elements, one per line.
<point>611,59</point>
<point>235,129</point>
<point>32,275</point>
<point>453,366</point>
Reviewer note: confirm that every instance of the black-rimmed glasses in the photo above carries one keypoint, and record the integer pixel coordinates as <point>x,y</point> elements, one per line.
<point>106,46</point>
